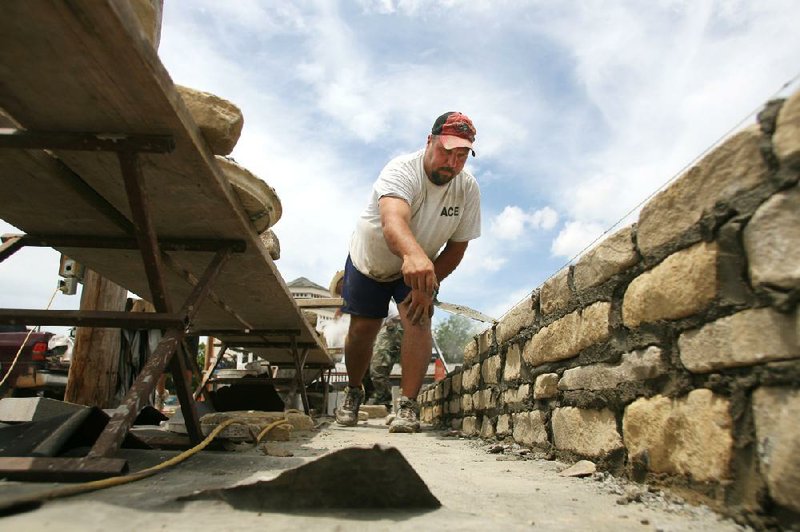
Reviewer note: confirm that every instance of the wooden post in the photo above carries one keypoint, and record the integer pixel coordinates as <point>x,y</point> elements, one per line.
<point>209,353</point>
<point>95,359</point>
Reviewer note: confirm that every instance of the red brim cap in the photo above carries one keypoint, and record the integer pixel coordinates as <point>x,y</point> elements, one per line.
<point>451,141</point>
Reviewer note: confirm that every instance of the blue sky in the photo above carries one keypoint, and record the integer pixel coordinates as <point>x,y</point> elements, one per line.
<point>582,109</point>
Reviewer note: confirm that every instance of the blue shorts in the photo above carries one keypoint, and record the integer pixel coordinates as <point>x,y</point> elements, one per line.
<point>367,297</point>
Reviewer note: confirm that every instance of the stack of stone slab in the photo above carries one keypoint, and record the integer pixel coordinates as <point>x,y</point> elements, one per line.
<point>220,123</point>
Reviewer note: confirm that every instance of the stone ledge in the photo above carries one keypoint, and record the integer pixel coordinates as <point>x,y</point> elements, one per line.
<point>690,436</point>
<point>734,166</point>
<point>772,242</point>
<point>490,369</point>
<point>613,255</point>
<point>748,337</point>
<point>635,366</point>
<point>555,293</point>
<point>776,412</point>
<point>546,386</point>
<point>529,428</point>
<point>521,316</point>
<point>685,283</point>
<point>786,140</point>
<point>568,336</point>
<point>590,433</point>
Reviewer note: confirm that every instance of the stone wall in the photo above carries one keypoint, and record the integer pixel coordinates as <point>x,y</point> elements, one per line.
<point>669,353</point>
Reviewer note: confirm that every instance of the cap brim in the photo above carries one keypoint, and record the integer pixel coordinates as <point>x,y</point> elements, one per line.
<point>451,141</point>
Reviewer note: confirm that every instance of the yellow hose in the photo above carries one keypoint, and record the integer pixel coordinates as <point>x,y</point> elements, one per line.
<point>75,489</point>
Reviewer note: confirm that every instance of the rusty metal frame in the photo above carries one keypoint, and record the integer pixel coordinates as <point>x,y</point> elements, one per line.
<point>127,148</point>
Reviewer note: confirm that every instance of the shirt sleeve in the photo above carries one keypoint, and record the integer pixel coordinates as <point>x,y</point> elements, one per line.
<point>395,180</point>
<point>469,227</point>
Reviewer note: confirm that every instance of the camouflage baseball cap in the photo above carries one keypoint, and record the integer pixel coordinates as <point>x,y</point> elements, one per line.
<point>455,130</point>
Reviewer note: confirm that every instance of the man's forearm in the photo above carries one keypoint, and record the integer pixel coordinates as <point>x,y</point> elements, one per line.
<point>449,259</point>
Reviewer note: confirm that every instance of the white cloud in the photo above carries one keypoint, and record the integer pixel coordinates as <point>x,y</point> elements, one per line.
<point>574,238</point>
<point>513,221</point>
<point>585,108</point>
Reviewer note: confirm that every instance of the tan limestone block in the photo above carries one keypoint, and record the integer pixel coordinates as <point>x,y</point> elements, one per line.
<point>585,432</point>
<point>471,378</point>
<point>478,400</point>
<point>786,140</point>
<point>454,406</point>
<point>529,428</point>
<point>469,426</point>
<point>734,166</point>
<point>568,336</point>
<point>749,337</point>
<point>546,386</point>
<point>516,319</point>
<point>466,403</point>
<point>513,368</point>
<point>426,414</point>
<point>490,370</point>
<point>635,366</point>
<point>374,411</point>
<point>487,428</point>
<point>485,340</point>
<point>438,411</point>
<point>219,120</point>
<point>503,427</point>
<point>489,398</point>
<point>509,397</point>
<point>683,284</point>
<point>613,255</point>
<point>772,242</point>
<point>691,436</point>
<point>523,392</point>
<point>471,352</point>
<point>271,242</point>
<point>776,412</point>
<point>555,293</point>
<point>456,386</point>
<point>260,201</point>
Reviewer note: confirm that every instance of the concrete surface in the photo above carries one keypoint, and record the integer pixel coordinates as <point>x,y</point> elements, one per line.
<point>478,489</point>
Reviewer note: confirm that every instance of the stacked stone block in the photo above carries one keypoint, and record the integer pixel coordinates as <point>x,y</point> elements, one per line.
<point>671,351</point>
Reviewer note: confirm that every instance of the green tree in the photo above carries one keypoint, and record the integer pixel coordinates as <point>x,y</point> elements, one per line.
<point>453,334</point>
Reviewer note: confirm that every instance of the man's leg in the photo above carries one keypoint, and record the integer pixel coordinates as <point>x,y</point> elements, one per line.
<point>380,380</point>
<point>358,347</point>
<point>415,354</point>
<point>357,353</point>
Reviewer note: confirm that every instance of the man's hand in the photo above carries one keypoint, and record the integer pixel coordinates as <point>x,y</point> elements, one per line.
<point>419,274</point>
<point>417,306</point>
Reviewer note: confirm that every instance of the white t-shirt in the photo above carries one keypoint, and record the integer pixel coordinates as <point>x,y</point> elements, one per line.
<point>438,214</point>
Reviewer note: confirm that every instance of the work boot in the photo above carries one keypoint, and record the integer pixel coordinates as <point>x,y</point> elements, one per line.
<point>347,414</point>
<point>406,418</point>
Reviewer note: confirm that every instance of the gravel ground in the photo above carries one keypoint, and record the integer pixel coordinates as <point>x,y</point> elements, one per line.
<point>480,486</point>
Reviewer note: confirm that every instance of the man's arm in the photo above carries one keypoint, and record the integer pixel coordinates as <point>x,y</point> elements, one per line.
<point>418,270</point>
<point>449,258</point>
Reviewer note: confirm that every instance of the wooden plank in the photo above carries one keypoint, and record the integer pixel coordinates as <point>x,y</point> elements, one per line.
<point>320,302</point>
<point>46,469</point>
<point>124,88</point>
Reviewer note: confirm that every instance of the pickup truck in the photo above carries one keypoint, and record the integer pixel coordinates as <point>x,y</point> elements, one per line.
<point>40,370</point>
